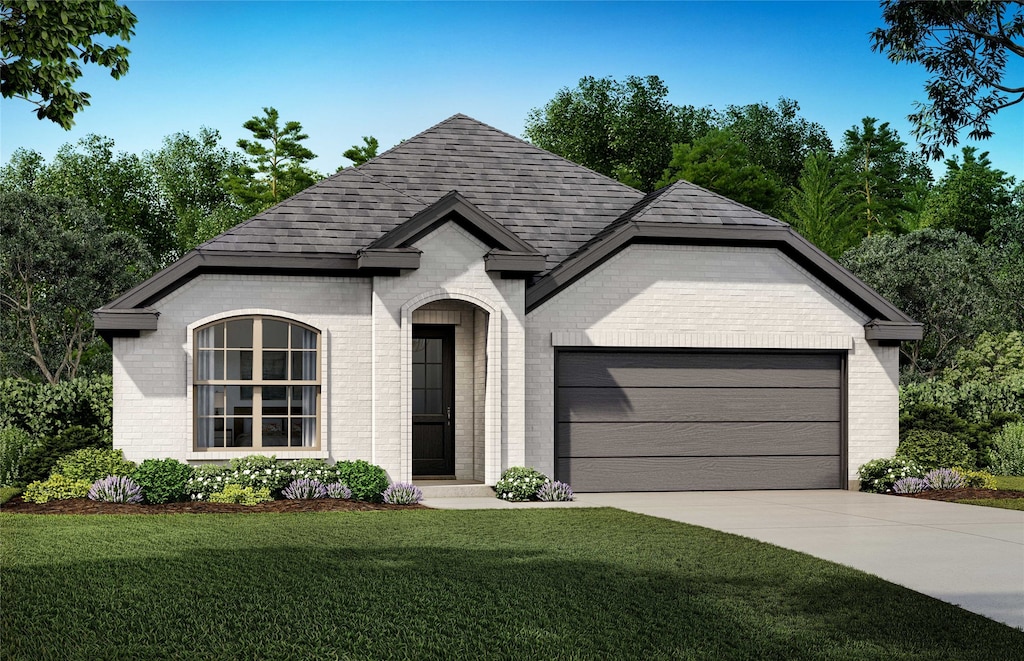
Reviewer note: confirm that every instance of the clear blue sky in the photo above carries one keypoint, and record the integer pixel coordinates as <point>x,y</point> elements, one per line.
<point>392,69</point>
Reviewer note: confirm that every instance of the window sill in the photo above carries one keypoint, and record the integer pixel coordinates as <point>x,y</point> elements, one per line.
<point>219,455</point>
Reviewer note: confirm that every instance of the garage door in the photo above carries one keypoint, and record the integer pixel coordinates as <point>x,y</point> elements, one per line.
<point>675,421</point>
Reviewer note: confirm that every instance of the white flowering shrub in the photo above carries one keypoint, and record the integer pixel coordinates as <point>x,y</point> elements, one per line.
<point>260,472</point>
<point>881,475</point>
<point>520,483</point>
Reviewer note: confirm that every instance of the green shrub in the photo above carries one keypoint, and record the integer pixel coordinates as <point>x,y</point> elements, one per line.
<point>206,480</point>
<point>1008,450</point>
<point>56,487</point>
<point>519,483</point>
<point>44,409</point>
<point>91,464</point>
<point>14,445</point>
<point>930,448</point>
<point>879,475</point>
<point>234,493</point>
<point>6,493</point>
<point>367,481</point>
<point>258,471</point>
<point>38,462</point>
<point>162,480</point>
<point>977,479</point>
<point>309,469</point>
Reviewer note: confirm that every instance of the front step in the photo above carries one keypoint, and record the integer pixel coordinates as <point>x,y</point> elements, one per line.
<point>445,489</point>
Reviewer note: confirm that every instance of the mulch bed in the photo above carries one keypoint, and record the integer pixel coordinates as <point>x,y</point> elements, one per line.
<point>86,506</point>
<point>964,494</point>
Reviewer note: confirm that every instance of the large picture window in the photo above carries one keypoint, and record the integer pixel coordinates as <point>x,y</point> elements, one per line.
<point>257,384</point>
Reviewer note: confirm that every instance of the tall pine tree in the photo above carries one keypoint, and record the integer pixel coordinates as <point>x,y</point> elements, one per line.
<point>277,162</point>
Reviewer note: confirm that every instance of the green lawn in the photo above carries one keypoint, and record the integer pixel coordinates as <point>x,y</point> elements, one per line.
<point>421,584</point>
<point>6,493</point>
<point>1007,483</point>
<point>1004,503</point>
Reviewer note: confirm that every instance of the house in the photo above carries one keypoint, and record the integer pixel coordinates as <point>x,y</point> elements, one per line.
<point>466,302</point>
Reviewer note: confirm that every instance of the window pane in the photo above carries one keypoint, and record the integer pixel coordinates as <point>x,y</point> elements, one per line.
<point>275,400</point>
<point>275,432</point>
<point>433,350</point>
<point>207,360</point>
<point>218,365</point>
<point>303,338</point>
<point>433,376</point>
<point>204,433</point>
<point>303,432</point>
<point>433,403</point>
<point>418,402</point>
<point>204,400</point>
<point>303,400</point>
<point>238,433</point>
<point>275,365</point>
<point>240,365</point>
<point>418,350</point>
<point>304,366</point>
<point>240,334</point>
<point>418,376</point>
<point>206,337</point>
<point>239,400</point>
<point>275,334</point>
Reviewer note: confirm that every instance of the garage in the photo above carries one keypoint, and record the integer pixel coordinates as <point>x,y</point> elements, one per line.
<point>694,421</point>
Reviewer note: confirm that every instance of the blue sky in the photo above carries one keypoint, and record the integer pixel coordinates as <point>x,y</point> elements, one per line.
<point>348,69</point>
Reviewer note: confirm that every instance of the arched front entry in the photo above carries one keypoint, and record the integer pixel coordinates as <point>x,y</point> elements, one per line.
<point>452,386</point>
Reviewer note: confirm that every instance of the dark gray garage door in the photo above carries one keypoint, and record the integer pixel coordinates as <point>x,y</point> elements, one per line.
<point>674,421</point>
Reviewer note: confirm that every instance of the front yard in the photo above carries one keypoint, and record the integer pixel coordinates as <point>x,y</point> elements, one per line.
<point>531,584</point>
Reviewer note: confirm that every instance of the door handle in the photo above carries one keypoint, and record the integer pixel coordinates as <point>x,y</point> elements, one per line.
<point>449,415</point>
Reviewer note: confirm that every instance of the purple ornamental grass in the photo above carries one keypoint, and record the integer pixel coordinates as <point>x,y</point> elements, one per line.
<point>944,478</point>
<point>552,492</point>
<point>304,489</point>
<point>910,485</point>
<point>339,490</point>
<point>402,493</point>
<point>116,489</point>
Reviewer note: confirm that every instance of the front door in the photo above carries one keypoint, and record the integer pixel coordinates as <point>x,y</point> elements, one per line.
<point>433,401</point>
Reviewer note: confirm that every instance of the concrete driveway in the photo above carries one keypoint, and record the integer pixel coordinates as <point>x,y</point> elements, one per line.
<point>962,554</point>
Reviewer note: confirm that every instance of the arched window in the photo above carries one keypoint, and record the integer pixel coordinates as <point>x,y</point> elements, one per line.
<point>257,385</point>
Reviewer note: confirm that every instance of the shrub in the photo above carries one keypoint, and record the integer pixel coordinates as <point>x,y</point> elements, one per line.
<point>38,462</point>
<point>116,489</point>
<point>338,490</point>
<point>944,478</point>
<point>930,448</point>
<point>240,495</point>
<point>977,479</point>
<point>519,483</point>
<point>56,487</point>
<point>45,410</point>
<point>910,485</point>
<point>15,443</point>
<point>206,479</point>
<point>259,472</point>
<point>91,464</point>
<point>555,492</point>
<point>402,493</point>
<point>1008,450</point>
<point>367,481</point>
<point>880,475</point>
<point>163,480</point>
<point>304,489</point>
<point>309,469</point>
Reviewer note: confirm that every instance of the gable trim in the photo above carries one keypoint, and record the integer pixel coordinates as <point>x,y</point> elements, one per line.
<point>781,237</point>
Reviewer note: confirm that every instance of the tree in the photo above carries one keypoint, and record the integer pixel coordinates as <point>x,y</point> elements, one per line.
<point>970,195</point>
<point>192,173</point>
<point>818,209</point>
<point>42,43</point>
<point>967,47</point>
<point>359,154</point>
<point>776,138</point>
<point>943,279</point>
<point>58,261</point>
<point>880,175</point>
<point>277,170</point>
<point>721,163</point>
<point>621,129</point>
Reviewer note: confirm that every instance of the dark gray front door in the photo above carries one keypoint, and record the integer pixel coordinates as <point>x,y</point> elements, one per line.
<point>679,421</point>
<point>433,401</point>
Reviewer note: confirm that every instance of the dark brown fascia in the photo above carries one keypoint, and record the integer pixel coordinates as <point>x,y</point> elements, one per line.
<point>388,258</point>
<point>512,264</point>
<point>887,331</point>
<point>454,206</point>
<point>780,236</point>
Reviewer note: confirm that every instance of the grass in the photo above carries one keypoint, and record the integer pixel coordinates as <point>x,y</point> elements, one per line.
<point>422,584</point>
<point>6,493</point>
<point>1009,483</point>
<point>1004,503</point>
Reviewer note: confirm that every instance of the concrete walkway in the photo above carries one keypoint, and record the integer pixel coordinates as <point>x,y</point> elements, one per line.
<point>962,554</point>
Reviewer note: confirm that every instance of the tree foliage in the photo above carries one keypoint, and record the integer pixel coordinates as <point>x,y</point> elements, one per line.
<point>58,262</point>
<point>967,48</point>
<point>818,209</point>
<point>359,154</point>
<point>277,158</point>
<point>970,196</point>
<point>43,44</point>
<point>621,129</point>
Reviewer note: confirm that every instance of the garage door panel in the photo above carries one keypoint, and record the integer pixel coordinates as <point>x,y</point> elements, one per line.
<point>698,473</point>
<point>680,370</point>
<point>658,439</point>
<point>698,404</point>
